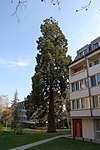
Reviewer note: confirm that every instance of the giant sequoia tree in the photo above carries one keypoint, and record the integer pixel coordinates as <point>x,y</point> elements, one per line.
<point>51,71</point>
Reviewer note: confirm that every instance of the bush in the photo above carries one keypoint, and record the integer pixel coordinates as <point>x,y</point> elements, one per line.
<point>19,129</point>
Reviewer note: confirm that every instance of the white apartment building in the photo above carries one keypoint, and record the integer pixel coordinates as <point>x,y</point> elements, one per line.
<point>84,76</point>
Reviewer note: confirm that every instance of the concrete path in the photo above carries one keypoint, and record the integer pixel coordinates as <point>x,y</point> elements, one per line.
<point>38,143</point>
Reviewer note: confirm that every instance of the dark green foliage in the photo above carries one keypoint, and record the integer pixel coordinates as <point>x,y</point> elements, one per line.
<point>51,72</point>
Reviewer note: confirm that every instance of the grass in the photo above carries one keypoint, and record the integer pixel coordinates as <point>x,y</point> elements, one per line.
<point>8,139</point>
<point>67,144</point>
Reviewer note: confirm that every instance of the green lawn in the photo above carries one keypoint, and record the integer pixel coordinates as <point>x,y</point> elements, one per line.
<point>8,139</point>
<point>67,144</point>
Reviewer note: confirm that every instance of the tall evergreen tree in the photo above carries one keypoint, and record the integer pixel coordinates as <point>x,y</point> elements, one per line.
<point>14,107</point>
<point>51,71</point>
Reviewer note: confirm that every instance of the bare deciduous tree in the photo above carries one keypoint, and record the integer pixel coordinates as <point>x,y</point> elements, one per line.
<point>86,7</point>
<point>23,3</point>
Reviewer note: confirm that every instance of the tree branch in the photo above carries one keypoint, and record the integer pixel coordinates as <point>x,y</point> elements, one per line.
<point>22,3</point>
<point>86,7</point>
<point>19,4</point>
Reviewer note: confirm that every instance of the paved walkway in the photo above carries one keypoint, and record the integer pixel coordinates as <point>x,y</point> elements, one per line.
<point>38,143</point>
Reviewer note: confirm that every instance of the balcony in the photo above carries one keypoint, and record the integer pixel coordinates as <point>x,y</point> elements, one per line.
<point>79,94</point>
<point>81,113</point>
<point>86,113</point>
<point>95,90</point>
<point>94,70</point>
<point>78,76</point>
<point>96,112</point>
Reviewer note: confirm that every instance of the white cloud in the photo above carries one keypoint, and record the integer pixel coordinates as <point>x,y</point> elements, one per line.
<point>19,62</point>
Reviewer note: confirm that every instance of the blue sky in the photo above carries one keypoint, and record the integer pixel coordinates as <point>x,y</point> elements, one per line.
<point>18,47</point>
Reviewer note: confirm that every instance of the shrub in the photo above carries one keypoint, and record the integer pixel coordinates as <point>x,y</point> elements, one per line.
<point>19,129</point>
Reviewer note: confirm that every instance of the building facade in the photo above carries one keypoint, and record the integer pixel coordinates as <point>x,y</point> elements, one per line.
<point>22,112</point>
<point>84,76</point>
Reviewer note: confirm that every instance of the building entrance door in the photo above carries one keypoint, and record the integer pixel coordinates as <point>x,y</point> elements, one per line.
<point>77,128</point>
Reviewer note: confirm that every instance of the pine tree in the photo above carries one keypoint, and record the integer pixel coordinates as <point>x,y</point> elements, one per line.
<point>14,107</point>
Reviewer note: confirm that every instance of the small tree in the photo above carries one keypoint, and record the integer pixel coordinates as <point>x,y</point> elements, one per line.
<point>7,116</point>
<point>14,107</point>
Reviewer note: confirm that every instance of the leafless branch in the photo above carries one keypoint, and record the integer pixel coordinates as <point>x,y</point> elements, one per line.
<point>22,3</point>
<point>19,4</point>
<point>18,18</point>
<point>86,7</point>
<point>56,2</point>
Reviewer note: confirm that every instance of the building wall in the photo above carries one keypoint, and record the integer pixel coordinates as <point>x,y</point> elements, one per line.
<point>88,128</point>
<point>86,67</point>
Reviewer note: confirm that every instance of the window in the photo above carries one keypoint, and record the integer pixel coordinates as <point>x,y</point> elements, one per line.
<point>98,79</point>
<point>78,103</point>
<point>93,81</point>
<point>90,64</point>
<point>96,62</point>
<point>83,84</point>
<point>87,102</point>
<point>73,104</point>
<point>82,103</point>
<point>97,128</point>
<point>77,85</point>
<point>78,69</point>
<point>96,45</point>
<point>85,51</point>
<point>99,100</point>
<point>98,124</point>
<point>73,87</point>
<point>86,83</point>
<point>81,54</point>
<point>95,101</point>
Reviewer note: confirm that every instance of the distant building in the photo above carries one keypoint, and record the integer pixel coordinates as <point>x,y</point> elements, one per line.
<point>84,76</point>
<point>22,115</point>
<point>22,112</point>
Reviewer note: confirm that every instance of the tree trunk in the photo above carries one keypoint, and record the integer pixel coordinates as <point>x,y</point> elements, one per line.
<point>51,114</point>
